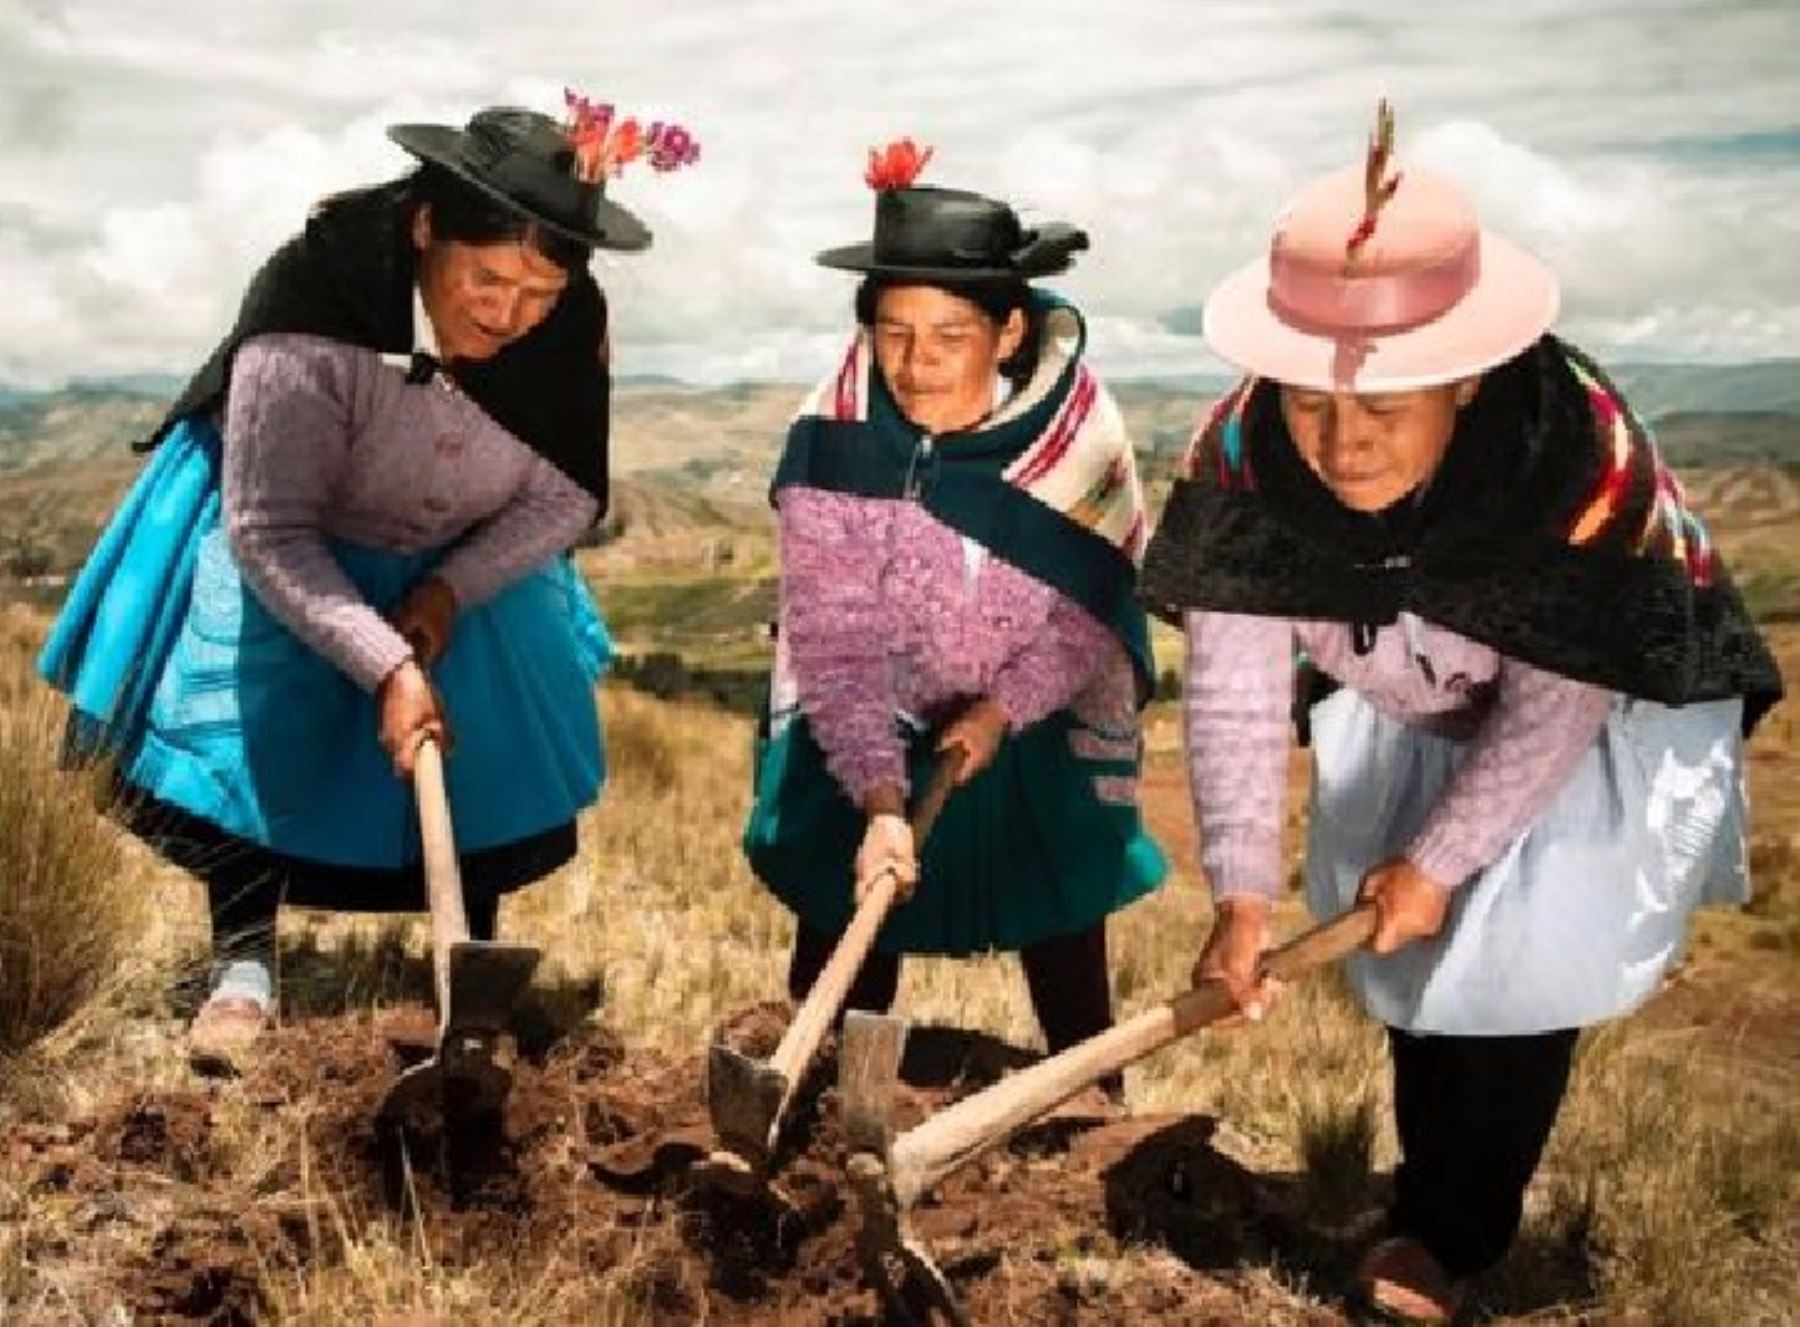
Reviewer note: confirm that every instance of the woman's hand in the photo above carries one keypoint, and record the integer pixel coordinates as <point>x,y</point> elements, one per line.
<point>887,847</point>
<point>1409,905</point>
<point>1234,951</point>
<point>425,618</point>
<point>410,712</point>
<point>977,732</point>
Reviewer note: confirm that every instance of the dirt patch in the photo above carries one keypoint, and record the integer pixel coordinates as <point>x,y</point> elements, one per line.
<point>184,1204</point>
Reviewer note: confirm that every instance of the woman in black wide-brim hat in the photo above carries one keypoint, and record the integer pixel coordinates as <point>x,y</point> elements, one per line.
<point>960,523</point>
<point>351,537</point>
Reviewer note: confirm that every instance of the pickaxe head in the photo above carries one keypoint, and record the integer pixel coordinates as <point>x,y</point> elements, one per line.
<point>909,1282</point>
<point>869,1054</point>
<point>744,1096</point>
<point>913,1286</point>
<point>468,1073</point>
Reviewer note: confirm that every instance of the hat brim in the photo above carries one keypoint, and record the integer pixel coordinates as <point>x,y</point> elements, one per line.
<point>1512,303</point>
<point>861,258</point>
<point>615,227</point>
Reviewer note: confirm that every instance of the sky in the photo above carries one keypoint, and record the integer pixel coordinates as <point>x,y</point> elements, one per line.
<point>152,153</point>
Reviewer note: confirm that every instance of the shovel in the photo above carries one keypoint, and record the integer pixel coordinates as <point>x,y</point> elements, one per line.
<point>477,982</point>
<point>890,1173</point>
<point>748,1098</point>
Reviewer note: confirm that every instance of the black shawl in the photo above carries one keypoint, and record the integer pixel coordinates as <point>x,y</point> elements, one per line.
<point>1552,532</point>
<point>350,275</point>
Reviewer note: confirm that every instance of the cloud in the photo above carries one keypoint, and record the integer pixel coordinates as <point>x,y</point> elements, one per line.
<point>150,156</point>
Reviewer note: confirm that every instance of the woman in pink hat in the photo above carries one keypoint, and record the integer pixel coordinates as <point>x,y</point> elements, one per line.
<point>1425,507</point>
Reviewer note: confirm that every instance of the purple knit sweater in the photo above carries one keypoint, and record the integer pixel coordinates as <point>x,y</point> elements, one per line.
<point>323,439</point>
<point>885,608</point>
<point>1525,727</point>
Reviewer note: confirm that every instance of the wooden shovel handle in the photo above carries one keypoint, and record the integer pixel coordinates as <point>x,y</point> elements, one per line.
<point>959,1133</point>
<point>826,997</point>
<point>443,872</point>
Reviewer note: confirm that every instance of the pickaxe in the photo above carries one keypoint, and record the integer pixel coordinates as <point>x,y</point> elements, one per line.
<point>747,1098</point>
<point>477,982</point>
<point>889,1174</point>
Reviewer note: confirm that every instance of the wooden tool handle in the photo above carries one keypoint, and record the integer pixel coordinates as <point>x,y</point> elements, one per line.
<point>937,792</point>
<point>826,997</point>
<point>443,872</point>
<point>958,1134</point>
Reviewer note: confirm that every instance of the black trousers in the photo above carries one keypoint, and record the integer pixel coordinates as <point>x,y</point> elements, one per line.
<point>244,897</point>
<point>1473,1114</point>
<point>246,884</point>
<point>1071,990</point>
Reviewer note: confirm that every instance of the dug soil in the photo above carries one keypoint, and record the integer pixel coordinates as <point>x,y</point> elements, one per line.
<point>189,1203</point>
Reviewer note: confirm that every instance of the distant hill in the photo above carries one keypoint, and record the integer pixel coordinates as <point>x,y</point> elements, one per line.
<point>1690,438</point>
<point>75,424</point>
<point>1657,390</point>
<point>692,467</point>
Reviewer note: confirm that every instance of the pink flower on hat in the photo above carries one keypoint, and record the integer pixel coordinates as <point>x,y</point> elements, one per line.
<point>604,145</point>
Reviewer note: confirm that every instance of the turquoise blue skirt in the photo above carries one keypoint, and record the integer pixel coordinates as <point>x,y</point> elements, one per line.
<point>1029,850</point>
<point>209,704</point>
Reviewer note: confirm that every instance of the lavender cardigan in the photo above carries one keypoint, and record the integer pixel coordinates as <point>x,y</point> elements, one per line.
<point>1526,729</point>
<point>885,608</point>
<point>325,440</point>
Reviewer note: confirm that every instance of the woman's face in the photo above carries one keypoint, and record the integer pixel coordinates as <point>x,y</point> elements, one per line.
<point>1373,450</point>
<point>483,297</point>
<point>940,353</point>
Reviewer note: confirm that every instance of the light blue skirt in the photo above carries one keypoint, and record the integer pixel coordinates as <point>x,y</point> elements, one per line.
<point>207,702</point>
<point>1580,917</point>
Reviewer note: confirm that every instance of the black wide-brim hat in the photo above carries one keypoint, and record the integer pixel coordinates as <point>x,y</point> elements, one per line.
<point>954,236</point>
<point>522,158</point>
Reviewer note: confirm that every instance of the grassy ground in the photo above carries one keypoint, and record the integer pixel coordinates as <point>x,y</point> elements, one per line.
<point>1668,1194</point>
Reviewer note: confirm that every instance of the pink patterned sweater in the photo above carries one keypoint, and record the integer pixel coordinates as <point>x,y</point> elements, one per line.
<point>324,439</point>
<point>885,608</point>
<point>1526,729</point>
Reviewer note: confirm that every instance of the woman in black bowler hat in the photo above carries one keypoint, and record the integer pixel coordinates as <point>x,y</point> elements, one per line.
<point>351,537</point>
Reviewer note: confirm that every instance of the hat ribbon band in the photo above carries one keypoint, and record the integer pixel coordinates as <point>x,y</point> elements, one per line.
<point>530,182</point>
<point>1308,294</point>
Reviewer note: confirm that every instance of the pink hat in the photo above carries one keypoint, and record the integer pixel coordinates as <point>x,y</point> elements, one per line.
<point>1376,285</point>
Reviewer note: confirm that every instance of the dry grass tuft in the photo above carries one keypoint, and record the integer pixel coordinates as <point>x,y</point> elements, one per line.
<point>1675,1178</point>
<point>70,912</point>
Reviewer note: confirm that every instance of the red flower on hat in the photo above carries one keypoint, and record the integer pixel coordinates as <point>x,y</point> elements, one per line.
<point>896,166</point>
<point>1377,190</point>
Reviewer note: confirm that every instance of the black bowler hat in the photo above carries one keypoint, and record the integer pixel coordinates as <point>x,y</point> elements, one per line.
<point>952,235</point>
<point>524,159</point>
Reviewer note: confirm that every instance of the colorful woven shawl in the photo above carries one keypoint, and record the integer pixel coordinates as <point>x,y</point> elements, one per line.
<point>1049,483</point>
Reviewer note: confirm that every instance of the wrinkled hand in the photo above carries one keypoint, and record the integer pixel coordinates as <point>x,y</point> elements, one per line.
<point>887,846</point>
<point>977,732</point>
<point>425,618</point>
<point>1409,905</point>
<point>1234,952</point>
<point>410,712</point>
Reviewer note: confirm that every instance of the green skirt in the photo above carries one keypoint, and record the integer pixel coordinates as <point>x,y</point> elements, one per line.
<point>1027,851</point>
